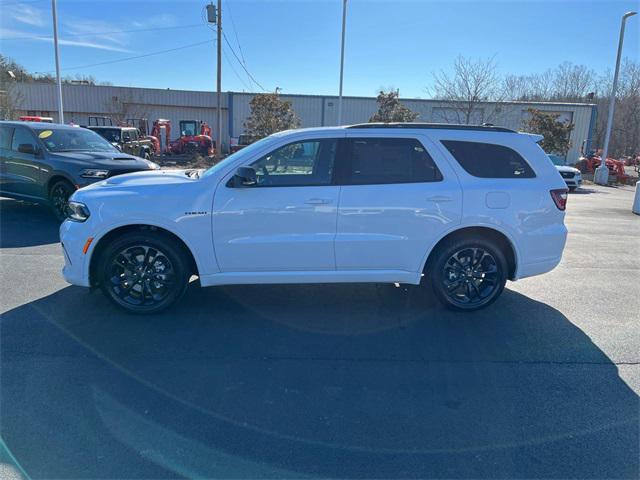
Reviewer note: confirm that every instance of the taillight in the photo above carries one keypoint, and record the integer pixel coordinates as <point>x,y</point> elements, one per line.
<point>560,197</point>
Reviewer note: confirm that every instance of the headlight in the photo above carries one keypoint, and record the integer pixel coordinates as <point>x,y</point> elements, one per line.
<point>77,211</point>
<point>92,173</point>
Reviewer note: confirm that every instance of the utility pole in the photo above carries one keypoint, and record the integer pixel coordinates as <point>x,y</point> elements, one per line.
<point>601,175</point>
<point>219,101</point>
<point>214,15</point>
<point>55,47</point>
<point>344,21</point>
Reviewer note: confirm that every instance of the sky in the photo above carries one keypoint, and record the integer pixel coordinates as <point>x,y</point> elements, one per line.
<point>294,45</point>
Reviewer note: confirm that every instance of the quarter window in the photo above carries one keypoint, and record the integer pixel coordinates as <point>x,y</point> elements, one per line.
<point>487,160</point>
<point>389,160</point>
<point>297,164</point>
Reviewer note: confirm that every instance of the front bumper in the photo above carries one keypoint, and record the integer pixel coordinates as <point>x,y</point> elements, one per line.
<point>73,237</point>
<point>574,182</point>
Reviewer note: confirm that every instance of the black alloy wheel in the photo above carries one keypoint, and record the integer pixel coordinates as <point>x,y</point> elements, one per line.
<point>469,275</point>
<point>59,198</point>
<point>144,275</point>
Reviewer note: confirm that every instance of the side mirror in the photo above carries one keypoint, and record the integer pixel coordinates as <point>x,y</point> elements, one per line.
<point>27,148</point>
<point>245,177</point>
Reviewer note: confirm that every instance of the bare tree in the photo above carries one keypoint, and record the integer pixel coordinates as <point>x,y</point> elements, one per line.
<point>572,83</point>
<point>10,97</point>
<point>470,83</point>
<point>125,106</point>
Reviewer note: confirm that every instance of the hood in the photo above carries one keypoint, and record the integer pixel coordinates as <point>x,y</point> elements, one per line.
<point>94,156</point>
<point>146,178</point>
<point>566,168</point>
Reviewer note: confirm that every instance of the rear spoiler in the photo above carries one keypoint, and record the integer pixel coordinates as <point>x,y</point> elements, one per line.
<point>533,136</point>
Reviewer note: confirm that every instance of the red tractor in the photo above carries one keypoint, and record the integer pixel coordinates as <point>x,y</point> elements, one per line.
<point>589,162</point>
<point>195,137</point>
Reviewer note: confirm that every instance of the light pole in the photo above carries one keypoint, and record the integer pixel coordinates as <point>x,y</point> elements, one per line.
<point>55,47</point>
<point>601,176</point>
<point>344,21</point>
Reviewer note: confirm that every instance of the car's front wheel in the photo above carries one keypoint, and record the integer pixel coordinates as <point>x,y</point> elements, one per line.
<point>144,274</point>
<point>468,274</point>
<point>59,194</point>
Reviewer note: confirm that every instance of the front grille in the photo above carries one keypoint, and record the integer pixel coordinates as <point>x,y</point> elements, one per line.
<point>113,173</point>
<point>567,174</point>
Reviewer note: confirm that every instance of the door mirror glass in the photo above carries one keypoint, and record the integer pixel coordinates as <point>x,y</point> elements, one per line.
<point>245,177</point>
<point>26,148</point>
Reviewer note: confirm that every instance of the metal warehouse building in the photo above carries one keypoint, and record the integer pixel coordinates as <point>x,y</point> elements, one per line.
<point>82,101</point>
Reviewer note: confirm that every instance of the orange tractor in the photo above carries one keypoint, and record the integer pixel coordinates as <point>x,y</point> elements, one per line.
<point>161,131</point>
<point>195,137</point>
<point>589,162</point>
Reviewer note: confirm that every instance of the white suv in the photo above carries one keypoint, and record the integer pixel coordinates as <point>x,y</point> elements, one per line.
<point>465,207</point>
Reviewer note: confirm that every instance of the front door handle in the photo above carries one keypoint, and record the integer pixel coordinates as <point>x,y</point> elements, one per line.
<point>439,199</point>
<point>317,201</point>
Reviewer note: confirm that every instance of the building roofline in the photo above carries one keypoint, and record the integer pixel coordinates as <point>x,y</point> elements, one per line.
<point>299,95</point>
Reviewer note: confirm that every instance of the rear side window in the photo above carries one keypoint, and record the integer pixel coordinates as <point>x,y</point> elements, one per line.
<point>487,160</point>
<point>5,137</point>
<point>388,160</point>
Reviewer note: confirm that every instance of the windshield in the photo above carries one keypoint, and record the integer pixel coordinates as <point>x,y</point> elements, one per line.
<point>74,139</point>
<point>245,151</point>
<point>556,160</point>
<point>109,134</point>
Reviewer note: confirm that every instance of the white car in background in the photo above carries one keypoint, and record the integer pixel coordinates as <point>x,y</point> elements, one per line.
<point>461,209</point>
<point>571,176</point>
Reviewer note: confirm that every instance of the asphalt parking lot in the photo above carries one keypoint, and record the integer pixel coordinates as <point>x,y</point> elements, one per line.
<point>327,381</point>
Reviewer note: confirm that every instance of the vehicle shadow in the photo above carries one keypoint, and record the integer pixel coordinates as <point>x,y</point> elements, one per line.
<point>26,224</point>
<point>328,380</point>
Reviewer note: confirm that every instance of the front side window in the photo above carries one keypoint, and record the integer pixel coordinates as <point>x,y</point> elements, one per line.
<point>388,160</point>
<point>297,164</point>
<point>488,160</point>
<point>21,136</point>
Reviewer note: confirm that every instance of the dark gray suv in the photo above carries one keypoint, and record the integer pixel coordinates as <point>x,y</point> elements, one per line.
<point>46,163</point>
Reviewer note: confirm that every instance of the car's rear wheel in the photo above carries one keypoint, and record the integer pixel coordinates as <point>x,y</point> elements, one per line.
<point>144,274</point>
<point>59,194</point>
<point>468,274</point>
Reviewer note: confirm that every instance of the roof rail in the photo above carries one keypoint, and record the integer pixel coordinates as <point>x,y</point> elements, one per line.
<point>432,126</point>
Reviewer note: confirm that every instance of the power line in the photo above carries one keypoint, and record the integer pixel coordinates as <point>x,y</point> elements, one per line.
<point>92,34</point>
<point>242,64</point>
<point>134,57</point>
<point>235,32</point>
<point>226,57</point>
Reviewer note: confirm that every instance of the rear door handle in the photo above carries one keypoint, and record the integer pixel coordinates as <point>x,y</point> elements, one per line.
<point>439,199</point>
<point>317,201</point>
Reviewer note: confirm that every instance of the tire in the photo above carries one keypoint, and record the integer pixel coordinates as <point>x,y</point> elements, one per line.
<point>468,274</point>
<point>59,194</point>
<point>144,272</point>
<point>572,189</point>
